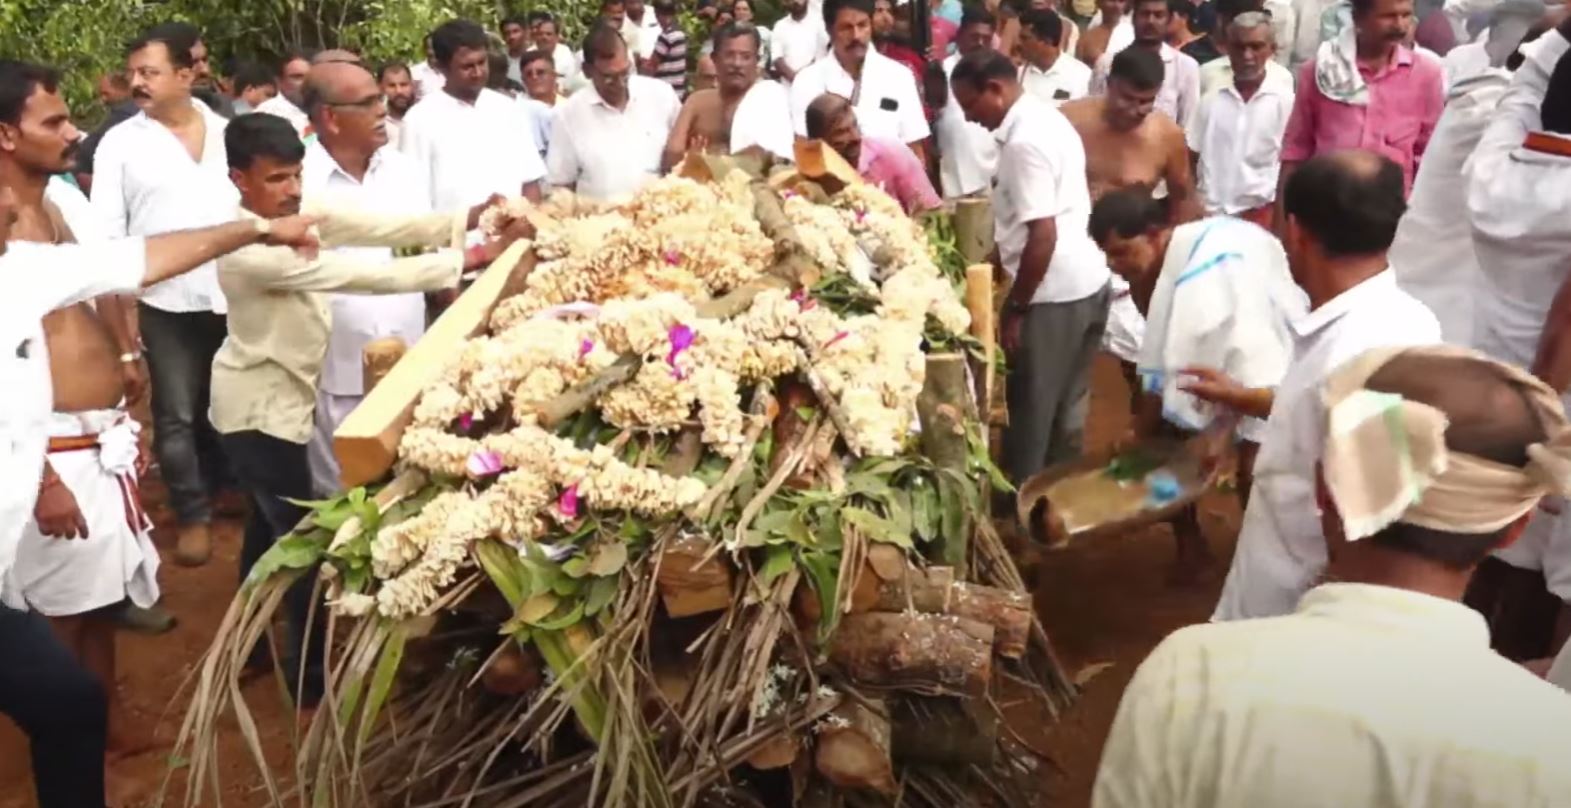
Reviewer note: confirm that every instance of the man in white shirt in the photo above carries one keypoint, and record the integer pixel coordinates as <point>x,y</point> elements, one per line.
<point>543,26</point>
<point>398,93</point>
<point>1048,72</point>
<point>1218,73</point>
<point>641,24</point>
<point>515,40</point>
<point>352,163</point>
<point>1341,219</point>
<point>50,696</point>
<point>1179,97</point>
<point>164,170</point>
<point>1433,255</point>
<point>1236,136</point>
<point>291,78</point>
<point>428,77</point>
<point>742,112</point>
<point>798,40</point>
<point>967,152</point>
<point>608,139</point>
<point>1517,202</point>
<point>1377,688</point>
<point>470,142</point>
<point>1057,306</point>
<point>882,90</point>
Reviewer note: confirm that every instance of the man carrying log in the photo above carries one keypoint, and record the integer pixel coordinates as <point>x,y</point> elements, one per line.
<point>1214,293</point>
<point>265,375</point>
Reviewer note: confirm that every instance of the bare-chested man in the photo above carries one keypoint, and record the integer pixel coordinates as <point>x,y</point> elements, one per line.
<point>88,492</point>
<point>740,112</point>
<point>1112,32</point>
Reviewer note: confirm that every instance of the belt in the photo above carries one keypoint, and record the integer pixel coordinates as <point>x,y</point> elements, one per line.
<point>130,490</point>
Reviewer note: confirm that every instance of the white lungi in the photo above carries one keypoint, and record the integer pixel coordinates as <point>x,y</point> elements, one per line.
<point>117,560</point>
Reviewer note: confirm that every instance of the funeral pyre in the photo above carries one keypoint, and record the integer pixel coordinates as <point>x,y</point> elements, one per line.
<point>699,518</point>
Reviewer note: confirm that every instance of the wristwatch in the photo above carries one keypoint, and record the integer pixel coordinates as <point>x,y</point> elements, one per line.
<point>264,228</point>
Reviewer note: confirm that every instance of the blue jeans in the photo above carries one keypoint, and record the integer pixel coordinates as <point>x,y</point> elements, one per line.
<point>180,349</point>
<point>60,705</point>
<point>271,469</point>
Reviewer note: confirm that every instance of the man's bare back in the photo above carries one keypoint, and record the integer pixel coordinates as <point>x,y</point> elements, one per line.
<point>83,361</point>
<point>1153,152</point>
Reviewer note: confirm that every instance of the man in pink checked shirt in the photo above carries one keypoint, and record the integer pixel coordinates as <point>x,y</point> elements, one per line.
<point>889,164</point>
<point>1366,90</point>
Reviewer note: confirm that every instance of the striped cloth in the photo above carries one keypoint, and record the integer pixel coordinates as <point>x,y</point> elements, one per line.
<point>670,59</point>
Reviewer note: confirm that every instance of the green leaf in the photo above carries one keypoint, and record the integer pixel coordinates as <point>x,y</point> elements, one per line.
<point>564,586</point>
<point>952,515</point>
<point>924,510</point>
<point>823,571</point>
<point>900,512</point>
<point>356,578</point>
<point>796,530</point>
<point>576,567</point>
<point>777,561</point>
<point>292,552</point>
<point>382,680</point>
<point>805,412</point>
<point>869,485</point>
<point>505,569</point>
<point>601,593</point>
<point>876,527</point>
<point>560,622</point>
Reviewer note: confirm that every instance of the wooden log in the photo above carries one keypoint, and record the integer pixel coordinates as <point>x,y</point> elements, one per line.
<point>979,301</point>
<point>1009,613</point>
<point>690,580</point>
<point>366,443</point>
<point>776,753</point>
<point>822,164</point>
<point>556,410</point>
<point>941,408</point>
<point>943,730</point>
<point>974,229</point>
<point>854,747</point>
<point>377,359</point>
<point>927,653</point>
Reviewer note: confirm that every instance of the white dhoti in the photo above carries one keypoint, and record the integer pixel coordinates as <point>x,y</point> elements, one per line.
<point>94,453</point>
<point>1126,329</point>
<point>331,410</point>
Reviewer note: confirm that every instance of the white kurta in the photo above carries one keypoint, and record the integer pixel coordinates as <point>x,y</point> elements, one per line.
<point>1354,699</point>
<point>967,152</point>
<point>116,560</point>
<point>1224,299</point>
<point>466,152</point>
<point>1281,549</point>
<point>1433,252</point>
<point>1519,200</point>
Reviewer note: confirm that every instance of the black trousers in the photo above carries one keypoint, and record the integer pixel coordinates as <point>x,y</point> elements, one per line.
<point>180,349</point>
<point>271,469</point>
<point>60,705</point>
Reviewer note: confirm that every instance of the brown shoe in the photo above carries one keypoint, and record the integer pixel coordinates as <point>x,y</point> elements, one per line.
<point>194,545</point>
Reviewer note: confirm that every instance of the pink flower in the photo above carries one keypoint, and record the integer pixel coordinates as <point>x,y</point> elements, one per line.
<point>787,194</point>
<point>672,257</point>
<point>802,300</point>
<point>681,339</point>
<point>861,214</point>
<point>585,347</point>
<point>466,421</point>
<point>484,463</point>
<point>836,338</point>
<point>567,503</point>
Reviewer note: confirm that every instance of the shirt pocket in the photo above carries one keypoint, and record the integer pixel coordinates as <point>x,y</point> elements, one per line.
<point>1398,139</point>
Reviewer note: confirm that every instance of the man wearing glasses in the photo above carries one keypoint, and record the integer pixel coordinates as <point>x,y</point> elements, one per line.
<point>607,139</point>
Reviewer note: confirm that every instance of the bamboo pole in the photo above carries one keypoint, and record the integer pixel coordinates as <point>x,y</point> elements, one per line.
<point>974,229</point>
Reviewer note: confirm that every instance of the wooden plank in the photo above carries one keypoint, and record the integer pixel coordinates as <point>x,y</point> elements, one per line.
<point>822,164</point>
<point>367,441</point>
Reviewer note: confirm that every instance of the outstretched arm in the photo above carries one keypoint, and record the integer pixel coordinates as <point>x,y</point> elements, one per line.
<point>1552,363</point>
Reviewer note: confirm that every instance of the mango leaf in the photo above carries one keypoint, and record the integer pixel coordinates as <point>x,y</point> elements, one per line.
<point>876,527</point>
<point>777,562</point>
<point>356,578</point>
<point>505,569</point>
<point>292,552</point>
<point>924,510</point>
<point>796,530</point>
<point>607,558</point>
<point>869,485</point>
<point>900,512</point>
<point>560,622</point>
<point>576,567</point>
<point>773,521</point>
<point>829,534</point>
<point>601,593</point>
<point>334,517</point>
<point>823,570</point>
<point>564,586</point>
<point>537,608</point>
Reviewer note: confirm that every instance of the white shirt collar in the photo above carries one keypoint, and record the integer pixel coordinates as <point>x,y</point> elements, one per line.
<point>1383,283</point>
<point>1403,611</point>
<point>1012,118</point>
<point>319,159</point>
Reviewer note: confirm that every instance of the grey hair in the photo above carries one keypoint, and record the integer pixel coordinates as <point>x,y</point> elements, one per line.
<point>1250,20</point>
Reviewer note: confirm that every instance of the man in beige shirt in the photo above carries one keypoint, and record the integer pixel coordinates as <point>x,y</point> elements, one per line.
<point>265,374</point>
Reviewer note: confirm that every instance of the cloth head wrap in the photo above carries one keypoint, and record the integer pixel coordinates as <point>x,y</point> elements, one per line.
<point>1386,460</point>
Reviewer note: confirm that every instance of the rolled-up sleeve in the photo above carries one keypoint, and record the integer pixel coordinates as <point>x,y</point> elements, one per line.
<point>61,275</point>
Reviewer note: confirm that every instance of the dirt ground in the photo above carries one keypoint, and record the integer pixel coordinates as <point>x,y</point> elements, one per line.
<point>1105,606</point>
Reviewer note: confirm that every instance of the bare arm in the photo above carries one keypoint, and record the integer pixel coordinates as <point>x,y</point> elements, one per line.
<point>676,143</point>
<point>177,253</point>
<point>1041,241</point>
<point>1183,204</point>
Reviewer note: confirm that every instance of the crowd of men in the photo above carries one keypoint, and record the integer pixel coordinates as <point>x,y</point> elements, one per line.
<point>1342,227</point>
